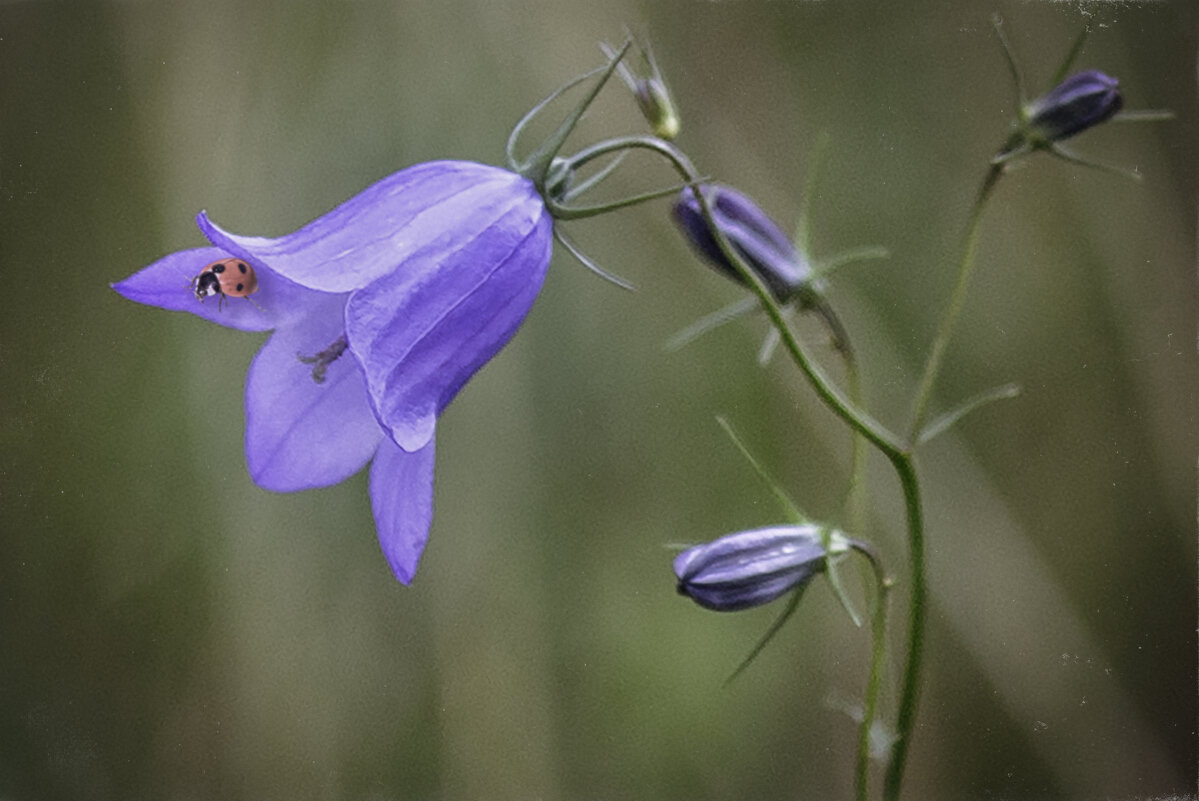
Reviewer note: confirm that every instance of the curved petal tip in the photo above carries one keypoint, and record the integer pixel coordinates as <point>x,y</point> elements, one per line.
<point>401,488</point>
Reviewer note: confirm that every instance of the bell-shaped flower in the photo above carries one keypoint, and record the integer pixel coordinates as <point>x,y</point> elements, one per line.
<point>752,568</point>
<point>1079,102</point>
<point>382,310</point>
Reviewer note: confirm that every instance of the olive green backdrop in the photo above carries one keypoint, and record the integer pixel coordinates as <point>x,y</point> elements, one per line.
<point>170,631</point>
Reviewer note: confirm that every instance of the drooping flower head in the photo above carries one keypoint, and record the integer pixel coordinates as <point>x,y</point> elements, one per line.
<point>382,309</point>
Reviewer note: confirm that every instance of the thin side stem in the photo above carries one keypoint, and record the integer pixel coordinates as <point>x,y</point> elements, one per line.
<point>878,651</point>
<point>1014,68</point>
<point>945,332</point>
<point>905,467</point>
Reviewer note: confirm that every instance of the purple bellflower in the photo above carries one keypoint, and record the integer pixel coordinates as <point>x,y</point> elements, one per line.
<point>1079,102</point>
<point>752,568</point>
<point>381,310</point>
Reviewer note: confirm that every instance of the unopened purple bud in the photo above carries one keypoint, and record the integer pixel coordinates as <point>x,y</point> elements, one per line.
<point>752,234</point>
<point>1077,103</point>
<point>750,568</point>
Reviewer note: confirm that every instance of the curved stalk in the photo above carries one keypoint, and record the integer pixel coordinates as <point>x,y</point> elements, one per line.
<point>901,459</point>
<point>871,430</point>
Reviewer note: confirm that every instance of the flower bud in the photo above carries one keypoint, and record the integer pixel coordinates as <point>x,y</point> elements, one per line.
<point>752,234</point>
<point>649,89</point>
<point>1074,105</point>
<point>657,107</point>
<point>751,568</point>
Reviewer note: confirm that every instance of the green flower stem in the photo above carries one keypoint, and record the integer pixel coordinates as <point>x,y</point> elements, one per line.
<point>878,653</point>
<point>874,433</point>
<point>902,460</point>
<point>871,430</point>
<point>856,497</point>
<point>917,613</point>
<point>933,365</point>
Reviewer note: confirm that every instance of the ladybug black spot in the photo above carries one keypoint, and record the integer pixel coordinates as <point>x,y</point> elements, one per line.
<point>241,287</point>
<point>242,268</point>
<point>218,268</point>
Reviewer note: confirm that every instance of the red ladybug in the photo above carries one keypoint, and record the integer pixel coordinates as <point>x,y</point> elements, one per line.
<point>228,278</point>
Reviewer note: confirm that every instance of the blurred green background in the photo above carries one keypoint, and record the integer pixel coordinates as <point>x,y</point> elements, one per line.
<point>170,631</point>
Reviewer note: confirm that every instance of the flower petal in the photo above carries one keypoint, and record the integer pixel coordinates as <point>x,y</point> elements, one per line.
<point>302,434</point>
<point>402,499</point>
<point>422,331</point>
<point>428,207</point>
<point>167,284</point>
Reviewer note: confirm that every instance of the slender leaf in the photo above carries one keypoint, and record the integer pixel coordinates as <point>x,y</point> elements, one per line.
<point>708,322</point>
<point>792,605</point>
<point>942,423</point>
<point>789,506</point>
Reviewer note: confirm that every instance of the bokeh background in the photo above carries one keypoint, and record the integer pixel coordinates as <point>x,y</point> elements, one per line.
<point>170,631</point>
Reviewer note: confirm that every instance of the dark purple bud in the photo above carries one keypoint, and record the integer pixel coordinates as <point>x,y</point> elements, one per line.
<point>752,233</point>
<point>751,568</point>
<point>1077,103</point>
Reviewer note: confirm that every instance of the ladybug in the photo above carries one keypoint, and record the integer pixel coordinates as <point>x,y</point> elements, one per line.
<point>227,278</point>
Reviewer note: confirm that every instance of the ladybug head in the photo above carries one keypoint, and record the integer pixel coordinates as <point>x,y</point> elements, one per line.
<point>207,284</point>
